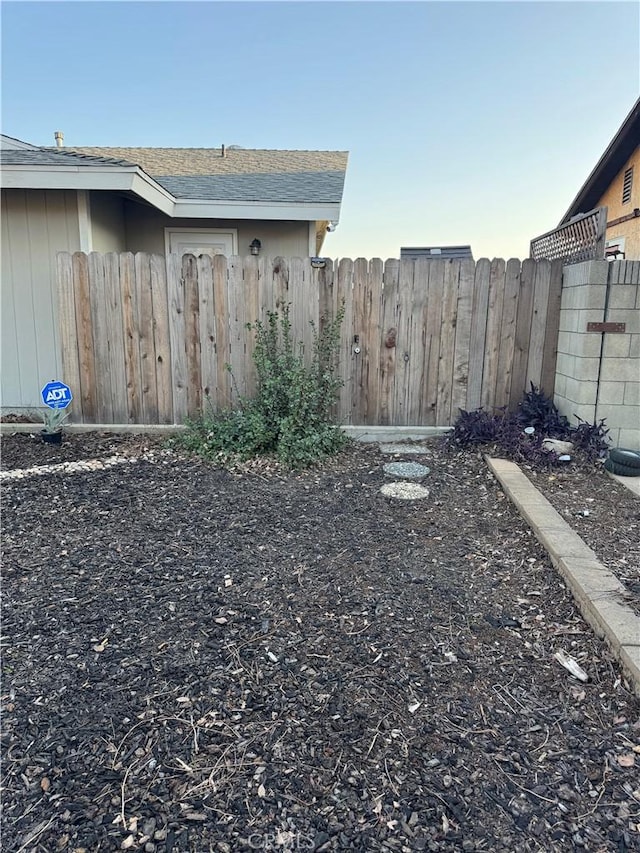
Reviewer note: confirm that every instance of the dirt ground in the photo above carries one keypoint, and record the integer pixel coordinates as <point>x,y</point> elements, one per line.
<point>203,660</point>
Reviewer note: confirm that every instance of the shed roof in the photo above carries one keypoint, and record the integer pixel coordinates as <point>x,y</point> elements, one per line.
<point>446,253</point>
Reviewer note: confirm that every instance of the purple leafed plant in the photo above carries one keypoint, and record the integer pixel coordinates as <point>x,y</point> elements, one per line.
<point>505,432</point>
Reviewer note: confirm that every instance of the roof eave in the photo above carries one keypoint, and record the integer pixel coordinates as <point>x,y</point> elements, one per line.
<point>615,156</point>
<point>134,179</point>
<point>215,209</point>
<point>74,177</point>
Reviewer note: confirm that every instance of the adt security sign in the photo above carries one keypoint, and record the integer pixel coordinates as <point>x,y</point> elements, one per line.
<point>56,395</point>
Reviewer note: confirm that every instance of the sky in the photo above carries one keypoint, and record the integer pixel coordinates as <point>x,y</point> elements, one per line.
<point>466,122</point>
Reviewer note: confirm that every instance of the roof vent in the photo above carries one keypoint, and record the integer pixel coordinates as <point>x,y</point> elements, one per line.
<point>59,138</point>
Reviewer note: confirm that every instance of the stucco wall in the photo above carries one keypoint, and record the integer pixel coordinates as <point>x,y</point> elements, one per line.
<point>145,232</point>
<point>598,375</point>
<point>36,224</point>
<point>630,229</point>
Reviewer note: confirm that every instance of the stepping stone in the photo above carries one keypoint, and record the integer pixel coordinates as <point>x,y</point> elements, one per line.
<point>404,449</point>
<point>406,470</point>
<point>405,491</point>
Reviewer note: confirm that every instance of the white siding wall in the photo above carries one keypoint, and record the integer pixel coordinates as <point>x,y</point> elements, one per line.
<point>35,225</point>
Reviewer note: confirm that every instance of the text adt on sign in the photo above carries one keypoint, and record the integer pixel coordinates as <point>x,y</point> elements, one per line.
<point>56,395</point>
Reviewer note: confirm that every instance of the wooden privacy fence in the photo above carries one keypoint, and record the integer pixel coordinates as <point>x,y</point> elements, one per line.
<point>148,339</point>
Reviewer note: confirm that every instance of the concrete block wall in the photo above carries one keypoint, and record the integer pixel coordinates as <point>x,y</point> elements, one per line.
<point>598,375</point>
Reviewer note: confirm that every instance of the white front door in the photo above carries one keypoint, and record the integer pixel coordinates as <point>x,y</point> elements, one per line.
<point>201,241</point>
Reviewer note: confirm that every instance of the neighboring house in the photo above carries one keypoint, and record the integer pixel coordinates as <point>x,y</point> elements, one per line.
<point>614,183</point>
<point>446,253</point>
<point>157,200</point>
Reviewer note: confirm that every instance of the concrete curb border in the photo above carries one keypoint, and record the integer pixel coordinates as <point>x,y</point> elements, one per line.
<point>598,593</point>
<point>632,483</point>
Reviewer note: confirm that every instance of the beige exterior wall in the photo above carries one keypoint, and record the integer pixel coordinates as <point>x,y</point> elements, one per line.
<point>598,376</point>
<point>35,225</point>
<point>630,229</point>
<point>145,232</point>
<point>106,211</point>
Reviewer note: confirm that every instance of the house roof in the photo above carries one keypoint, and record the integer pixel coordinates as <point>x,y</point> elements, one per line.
<point>258,175</point>
<point>12,142</point>
<point>192,182</point>
<point>608,166</point>
<point>55,157</point>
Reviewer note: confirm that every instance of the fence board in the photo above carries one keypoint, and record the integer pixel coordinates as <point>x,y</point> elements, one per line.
<point>508,333</point>
<point>223,346</point>
<point>130,334</point>
<point>432,338</point>
<point>523,332</point>
<point>238,320</point>
<point>207,317</point>
<point>343,290</point>
<point>463,338</point>
<point>115,336</point>
<point>404,323</point>
<point>84,329</point>
<point>280,280</point>
<point>252,315</point>
<point>146,342</point>
<point>492,332</point>
<point>162,348</point>
<point>389,345</point>
<point>478,332</point>
<point>373,338</point>
<point>99,313</point>
<point>541,283</point>
<point>419,390</point>
<point>192,333</point>
<point>550,348</point>
<point>67,322</point>
<point>447,342</point>
<point>360,342</point>
<point>302,304</point>
<point>175,299</point>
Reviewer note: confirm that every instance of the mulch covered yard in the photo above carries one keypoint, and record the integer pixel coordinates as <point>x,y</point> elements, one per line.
<point>196,659</point>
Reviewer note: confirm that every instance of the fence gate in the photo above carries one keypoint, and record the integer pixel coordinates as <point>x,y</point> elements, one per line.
<point>148,339</point>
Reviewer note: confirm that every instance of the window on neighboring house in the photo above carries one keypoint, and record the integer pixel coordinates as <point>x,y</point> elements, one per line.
<point>626,186</point>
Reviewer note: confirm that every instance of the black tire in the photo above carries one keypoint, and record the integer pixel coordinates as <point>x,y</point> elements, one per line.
<point>621,470</point>
<point>622,456</point>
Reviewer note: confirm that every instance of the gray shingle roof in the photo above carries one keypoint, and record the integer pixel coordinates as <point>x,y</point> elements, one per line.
<point>209,161</point>
<point>244,174</point>
<point>55,157</point>
<point>290,186</point>
<point>203,173</point>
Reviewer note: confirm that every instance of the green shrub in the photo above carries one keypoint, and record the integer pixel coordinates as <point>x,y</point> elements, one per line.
<point>291,415</point>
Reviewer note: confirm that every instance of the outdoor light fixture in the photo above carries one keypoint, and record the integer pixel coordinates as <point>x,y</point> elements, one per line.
<point>255,246</point>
